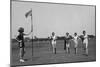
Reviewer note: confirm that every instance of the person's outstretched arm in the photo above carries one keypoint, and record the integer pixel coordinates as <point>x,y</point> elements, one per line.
<point>28,33</point>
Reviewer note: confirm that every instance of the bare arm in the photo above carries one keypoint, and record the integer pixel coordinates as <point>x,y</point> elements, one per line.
<point>18,40</point>
<point>28,33</point>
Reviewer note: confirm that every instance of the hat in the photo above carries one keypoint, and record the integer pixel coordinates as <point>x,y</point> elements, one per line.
<point>84,31</point>
<point>21,29</point>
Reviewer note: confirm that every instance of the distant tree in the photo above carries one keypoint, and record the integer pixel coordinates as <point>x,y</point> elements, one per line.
<point>91,36</point>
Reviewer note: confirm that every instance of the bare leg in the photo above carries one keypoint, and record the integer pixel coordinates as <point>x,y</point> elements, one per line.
<point>21,54</point>
<point>55,50</point>
<point>75,50</point>
<point>86,48</point>
<point>86,51</point>
<point>68,50</point>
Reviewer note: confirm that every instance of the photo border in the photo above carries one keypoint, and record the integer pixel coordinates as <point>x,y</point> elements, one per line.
<point>46,3</point>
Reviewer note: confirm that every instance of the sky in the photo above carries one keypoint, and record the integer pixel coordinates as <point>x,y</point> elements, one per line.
<point>48,18</point>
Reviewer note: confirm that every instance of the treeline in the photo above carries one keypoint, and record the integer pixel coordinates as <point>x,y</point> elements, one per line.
<point>27,39</point>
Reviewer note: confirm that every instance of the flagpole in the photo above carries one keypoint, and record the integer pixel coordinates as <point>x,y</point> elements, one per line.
<point>32,33</point>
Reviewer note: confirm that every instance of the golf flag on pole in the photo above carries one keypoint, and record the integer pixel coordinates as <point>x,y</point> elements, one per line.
<point>29,13</point>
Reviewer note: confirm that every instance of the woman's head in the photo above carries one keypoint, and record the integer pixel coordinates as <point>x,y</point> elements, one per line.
<point>53,33</point>
<point>75,34</point>
<point>84,32</point>
<point>21,30</point>
<point>67,33</point>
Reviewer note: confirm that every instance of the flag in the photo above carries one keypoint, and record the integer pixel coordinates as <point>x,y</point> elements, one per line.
<point>29,13</point>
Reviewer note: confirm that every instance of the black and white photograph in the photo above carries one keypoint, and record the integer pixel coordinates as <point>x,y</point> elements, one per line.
<point>51,33</point>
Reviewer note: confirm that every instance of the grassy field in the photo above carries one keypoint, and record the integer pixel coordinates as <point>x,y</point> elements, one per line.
<point>42,53</point>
